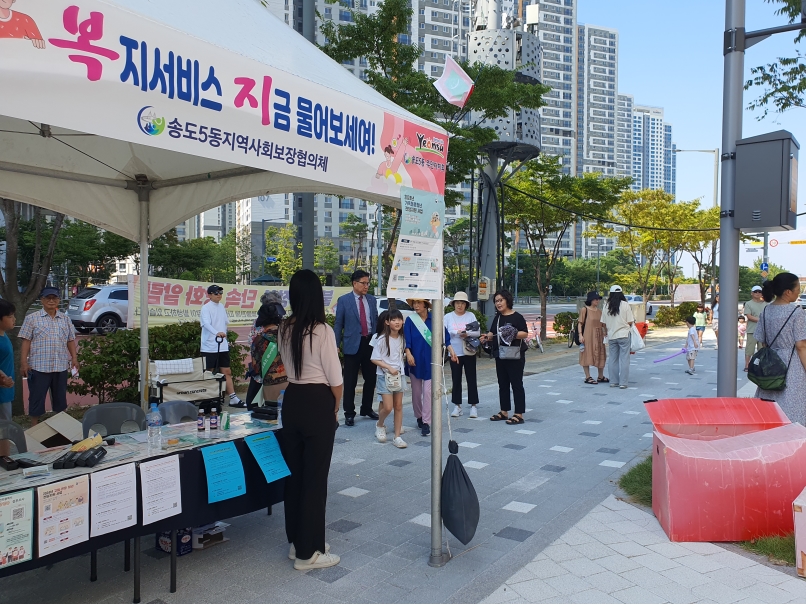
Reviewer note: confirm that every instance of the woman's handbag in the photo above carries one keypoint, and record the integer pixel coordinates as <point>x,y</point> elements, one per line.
<point>508,352</point>
<point>636,342</point>
<point>394,382</point>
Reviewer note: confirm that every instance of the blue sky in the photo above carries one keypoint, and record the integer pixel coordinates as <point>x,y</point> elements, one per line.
<point>670,55</point>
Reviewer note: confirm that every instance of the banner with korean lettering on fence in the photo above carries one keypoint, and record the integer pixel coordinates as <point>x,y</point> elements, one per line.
<point>173,301</point>
<point>122,75</point>
<point>417,270</point>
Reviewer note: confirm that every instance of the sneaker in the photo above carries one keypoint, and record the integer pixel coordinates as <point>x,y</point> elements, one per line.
<point>317,561</point>
<point>457,411</point>
<point>399,443</point>
<point>613,385</point>
<point>419,423</point>
<point>236,402</point>
<point>623,386</point>
<point>690,372</point>
<point>426,430</point>
<point>474,413</point>
<point>380,433</point>
<point>292,552</point>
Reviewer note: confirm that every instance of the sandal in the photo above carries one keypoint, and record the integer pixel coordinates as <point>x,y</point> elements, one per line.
<point>499,416</point>
<point>603,379</point>
<point>516,420</point>
<point>590,380</point>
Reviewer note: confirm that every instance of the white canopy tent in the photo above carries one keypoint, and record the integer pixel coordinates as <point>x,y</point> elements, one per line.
<point>136,115</point>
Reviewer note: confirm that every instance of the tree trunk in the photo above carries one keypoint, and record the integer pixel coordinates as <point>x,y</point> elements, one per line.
<point>543,308</point>
<point>388,257</point>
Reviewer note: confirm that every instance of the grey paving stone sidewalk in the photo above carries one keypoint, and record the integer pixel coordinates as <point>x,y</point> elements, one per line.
<point>534,482</point>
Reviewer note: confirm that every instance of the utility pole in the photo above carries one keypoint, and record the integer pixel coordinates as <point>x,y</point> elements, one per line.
<point>307,200</point>
<point>379,227</point>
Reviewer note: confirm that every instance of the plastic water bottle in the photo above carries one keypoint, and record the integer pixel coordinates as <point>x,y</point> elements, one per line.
<point>581,347</point>
<point>154,421</point>
<point>280,409</point>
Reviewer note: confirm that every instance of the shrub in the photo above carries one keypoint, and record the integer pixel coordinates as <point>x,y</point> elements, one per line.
<point>665,317</point>
<point>562,322</point>
<point>480,317</point>
<point>110,366</point>
<point>686,309</point>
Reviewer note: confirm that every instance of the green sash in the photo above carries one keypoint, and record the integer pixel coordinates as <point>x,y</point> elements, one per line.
<point>268,358</point>
<point>421,327</point>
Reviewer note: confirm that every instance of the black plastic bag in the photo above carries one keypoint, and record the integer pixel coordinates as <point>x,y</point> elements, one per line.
<point>460,504</point>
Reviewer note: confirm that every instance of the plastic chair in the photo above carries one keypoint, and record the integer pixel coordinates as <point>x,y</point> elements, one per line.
<point>174,412</point>
<point>13,432</point>
<point>115,418</point>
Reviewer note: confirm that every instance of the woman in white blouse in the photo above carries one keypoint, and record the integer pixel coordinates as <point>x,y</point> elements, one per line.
<point>310,410</point>
<point>456,324</point>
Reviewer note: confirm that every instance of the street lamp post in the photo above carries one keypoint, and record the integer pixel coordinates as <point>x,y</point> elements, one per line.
<point>598,256</point>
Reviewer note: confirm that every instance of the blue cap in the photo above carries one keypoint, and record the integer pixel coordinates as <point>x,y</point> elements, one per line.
<point>49,291</point>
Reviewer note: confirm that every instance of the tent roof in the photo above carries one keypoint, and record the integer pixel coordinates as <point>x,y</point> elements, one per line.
<point>79,145</point>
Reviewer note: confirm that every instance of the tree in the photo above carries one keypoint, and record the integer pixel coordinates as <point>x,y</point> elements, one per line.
<point>456,238</point>
<point>783,82</point>
<point>39,244</point>
<point>700,244</point>
<point>325,258</point>
<point>282,244</point>
<point>771,272</point>
<point>355,230</point>
<point>543,203</point>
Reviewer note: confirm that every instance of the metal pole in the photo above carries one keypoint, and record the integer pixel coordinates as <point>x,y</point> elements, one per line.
<point>263,258</point>
<point>379,226</point>
<point>765,255</point>
<point>516,273</point>
<point>437,558</point>
<point>488,225</point>
<point>307,199</point>
<point>598,256</point>
<point>732,100</point>
<point>143,194</point>
<point>713,244</point>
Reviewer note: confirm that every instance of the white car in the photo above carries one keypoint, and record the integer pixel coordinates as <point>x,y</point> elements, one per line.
<point>636,298</point>
<point>400,305</point>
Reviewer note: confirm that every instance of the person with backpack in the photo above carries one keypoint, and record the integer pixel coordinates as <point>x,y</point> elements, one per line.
<point>779,368</point>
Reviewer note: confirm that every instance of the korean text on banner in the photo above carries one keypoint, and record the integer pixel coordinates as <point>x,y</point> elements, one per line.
<point>17,528</point>
<point>266,450</point>
<point>224,469</point>
<point>417,268</point>
<point>63,514</point>
<point>173,301</point>
<point>133,78</point>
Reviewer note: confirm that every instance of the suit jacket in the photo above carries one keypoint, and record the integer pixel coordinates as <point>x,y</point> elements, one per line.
<point>348,323</point>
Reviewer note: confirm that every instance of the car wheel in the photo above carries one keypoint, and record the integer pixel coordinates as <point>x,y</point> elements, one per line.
<point>108,324</point>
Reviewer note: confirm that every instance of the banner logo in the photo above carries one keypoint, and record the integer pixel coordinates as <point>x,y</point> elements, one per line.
<point>431,144</point>
<point>149,123</point>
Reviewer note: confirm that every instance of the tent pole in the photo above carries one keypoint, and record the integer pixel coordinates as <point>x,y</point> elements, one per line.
<point>143,195</point>
<point>437,559</point>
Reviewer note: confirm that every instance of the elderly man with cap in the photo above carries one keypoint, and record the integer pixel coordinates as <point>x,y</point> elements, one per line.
<point>456,323</point>
<point>752,311</point>
<point>214,345</point>
<point>417,332</point>
<point>48,348</point>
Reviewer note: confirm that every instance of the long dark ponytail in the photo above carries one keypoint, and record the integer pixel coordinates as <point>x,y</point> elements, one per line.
<point>614,302</point>
<point>307,311</point>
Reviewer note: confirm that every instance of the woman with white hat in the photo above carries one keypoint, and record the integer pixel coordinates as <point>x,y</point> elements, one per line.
<point>456,323</point>
<point>417,335</point>
<point>618,321</point>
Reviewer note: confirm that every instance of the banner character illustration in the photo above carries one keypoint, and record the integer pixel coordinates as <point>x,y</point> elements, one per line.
<point>14,24</point>
<point>394,158</point>
<point>435,223</point>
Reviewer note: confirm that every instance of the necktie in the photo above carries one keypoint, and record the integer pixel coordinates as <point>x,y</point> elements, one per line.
<point>362,314</point>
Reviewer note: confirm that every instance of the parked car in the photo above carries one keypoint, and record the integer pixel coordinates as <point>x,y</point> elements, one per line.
<point>636,298</point>
<point>104,308</point>
<point>400,305</point>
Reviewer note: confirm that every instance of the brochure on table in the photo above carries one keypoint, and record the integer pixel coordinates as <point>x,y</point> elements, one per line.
<point>266,450</point>
<point>114,499</point>
<point>161,489</point>
<point>417,270</point>
<point>224,469</point>
<point>16,528</point>
<point>62,514</point>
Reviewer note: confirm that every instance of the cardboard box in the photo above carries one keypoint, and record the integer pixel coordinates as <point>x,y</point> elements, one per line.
<point>799,512</point>
<point>209,535</point>
<point>61,429</point>
<point>184,541</point>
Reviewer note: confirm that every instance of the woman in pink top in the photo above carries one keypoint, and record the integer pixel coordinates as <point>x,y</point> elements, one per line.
<point>310,409</point>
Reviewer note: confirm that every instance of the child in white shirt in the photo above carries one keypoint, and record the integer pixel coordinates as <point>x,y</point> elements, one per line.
<point>692,344</point>
<point>387,354</point>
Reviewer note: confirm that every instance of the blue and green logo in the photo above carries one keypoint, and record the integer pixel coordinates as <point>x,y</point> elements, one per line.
<point>149,123</point>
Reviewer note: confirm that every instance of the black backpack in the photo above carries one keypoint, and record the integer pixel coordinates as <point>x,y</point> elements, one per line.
<point>767,370</point>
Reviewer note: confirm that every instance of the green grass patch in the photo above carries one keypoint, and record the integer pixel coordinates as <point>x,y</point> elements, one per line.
<point>637,482</point>
<point>778,549</point>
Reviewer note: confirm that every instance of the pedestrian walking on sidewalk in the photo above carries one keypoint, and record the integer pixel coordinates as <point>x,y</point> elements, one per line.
<point>507,333</point>
<point>782,327</point>
<point>752,311</point>
<point>214,345</point>
<point>701,317</point>
<point>692,345</point>
<point>456,323</point>
<point>715,318</point>
<point>592,350</point>
<point>742,329</point>
<point>356,322</point>
<point>417,334</point>
<point>618,320</point>
<point>310,419</point>
<point>387,355</point>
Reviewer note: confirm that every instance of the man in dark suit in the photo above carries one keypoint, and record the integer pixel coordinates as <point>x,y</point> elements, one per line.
<point>356,320</point>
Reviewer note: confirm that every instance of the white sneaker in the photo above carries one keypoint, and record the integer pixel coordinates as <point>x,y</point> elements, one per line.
<point>292,552</point>
<point>457,411</point>
<point>317,561</point>
<point>474,413</point>
<point>398,442</point>
<point>380,433</point>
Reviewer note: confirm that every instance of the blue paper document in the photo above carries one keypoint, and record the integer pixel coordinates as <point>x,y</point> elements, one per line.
<point>225,477</point>
<point>266,450</point>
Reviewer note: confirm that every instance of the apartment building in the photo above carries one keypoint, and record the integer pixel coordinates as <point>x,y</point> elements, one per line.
<point>654,163</point>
